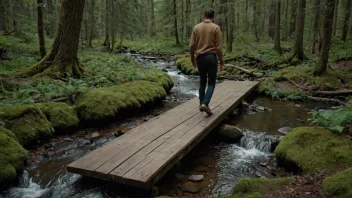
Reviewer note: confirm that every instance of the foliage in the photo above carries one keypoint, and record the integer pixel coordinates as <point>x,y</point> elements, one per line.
<point>269,87</point>
<point>339,185</point>
<point>335,119</point>
<point>315,148</point>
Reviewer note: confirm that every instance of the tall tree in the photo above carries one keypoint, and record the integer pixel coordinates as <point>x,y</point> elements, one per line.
<point>272,17</point>
<point>3,16</point>
<point>336,14</point>
<point>277,46</point>
<point>62,59</point>
<point>41,28</point>
<point>328,23</point>
<point>175,22</point>
<point>255,20</point>
<point>188,18</point>
<point>107,24</point>
<point>293,17</point>
<point>153,24</point>
<point>316,24</point>
<point>346,21</point>
<point>297,51</point>
<point>91,19</point>
<point>231,24</point>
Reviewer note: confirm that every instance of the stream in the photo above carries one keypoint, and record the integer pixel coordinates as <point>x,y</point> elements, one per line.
<point>221,163</point>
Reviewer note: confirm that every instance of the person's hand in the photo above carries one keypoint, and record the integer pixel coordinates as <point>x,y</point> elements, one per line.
<point>221,68</point>
<point>194,64</point>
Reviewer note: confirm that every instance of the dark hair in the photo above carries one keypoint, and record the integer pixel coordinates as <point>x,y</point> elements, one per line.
<point>209,13</point>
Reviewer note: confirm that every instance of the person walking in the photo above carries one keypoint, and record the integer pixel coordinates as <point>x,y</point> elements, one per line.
<point>205,50</point>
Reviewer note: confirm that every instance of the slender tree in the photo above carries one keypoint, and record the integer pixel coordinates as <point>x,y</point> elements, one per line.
<point>3,17</point>
<point>297,50</point>
<point>346,21</point>
<point>231,24</point>
<point>316,24</point>
<point>293,17</point>
<point>336,14</point>
<point>91,19</point>
<point>188,18</point>
<point>107,24</point>
<point>175,22</point>
<point>62,59</point>
<point>272,17</point>
<point>41,28</point>
<point>153,24</point>
<point>328,23</point>
<point>255,20</point>
<point>277,46</point>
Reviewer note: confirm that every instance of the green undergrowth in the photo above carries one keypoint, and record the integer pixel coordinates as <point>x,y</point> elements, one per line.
<point>270,88</point>
<point>12,157</point>
<point>256,187</point>
<point>334,119</point>
<point>315,148</point>
<point>107,102</point>
<point>339,185</point>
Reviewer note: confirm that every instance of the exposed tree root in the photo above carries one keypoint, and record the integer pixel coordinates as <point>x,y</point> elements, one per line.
<point>250,73</point>
<point>333,93</point>
<point>328,100</point>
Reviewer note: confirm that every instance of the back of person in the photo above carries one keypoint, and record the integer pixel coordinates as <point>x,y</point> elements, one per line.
<point>205,49</point>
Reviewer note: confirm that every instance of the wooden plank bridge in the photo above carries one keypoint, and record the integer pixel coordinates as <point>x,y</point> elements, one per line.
<point>144,154</point>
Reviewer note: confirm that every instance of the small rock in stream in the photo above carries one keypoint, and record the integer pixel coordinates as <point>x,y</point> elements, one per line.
<point>190,187</point>
<point>68,139</point>
<point>83,142</point>
<point>229,133</point>
<point>49,154</point>
<point>298,105</point>
<point>196,178</point>
<point>285,130</point>
<point>95,135</point>
<point>48,145</point>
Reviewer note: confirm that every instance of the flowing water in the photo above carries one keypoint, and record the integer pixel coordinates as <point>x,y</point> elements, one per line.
<point>222,164</point>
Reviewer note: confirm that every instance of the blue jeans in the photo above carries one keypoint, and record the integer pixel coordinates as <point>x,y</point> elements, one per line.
<point>208,67</point>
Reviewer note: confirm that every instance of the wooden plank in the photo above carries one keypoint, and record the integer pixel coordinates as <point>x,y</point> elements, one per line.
<point>168,138</point>
<point>143,155</point>
<point>151,172</point>
<point>92,161</point>
<point>163,134</point>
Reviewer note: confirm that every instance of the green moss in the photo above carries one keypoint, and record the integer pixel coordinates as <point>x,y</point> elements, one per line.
<point>246,186</point>
<point>339,185</point>
<point>12,158</point>
<point>107,102</point>
<point>8,133</point>
<point>253,195</point>
<point>27,122</point>
<point>269,87</point>
<point>185,65</point>
<point>315,148</point>
<point>304,75</point>
<point>162,79</point>
<point>60,115</point>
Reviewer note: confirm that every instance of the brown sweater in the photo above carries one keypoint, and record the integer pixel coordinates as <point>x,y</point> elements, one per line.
<point>206,37</point>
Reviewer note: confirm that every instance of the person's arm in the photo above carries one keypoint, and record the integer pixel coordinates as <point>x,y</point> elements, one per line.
<point>192,49</point>
<point>218,45</point>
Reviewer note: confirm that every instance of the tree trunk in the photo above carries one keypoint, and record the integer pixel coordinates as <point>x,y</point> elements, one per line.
<point>316,24</point>
<point>293,17</point>
<point>113,26</point>
<point>41,28</point>
<point>62,59</point>
<point>286,21</point>
<point>107,23</point>
<point>153,26</point>
<point>231,23</point>
<point>272,17</point>
<point>15,22</point>
<point>328,23</point>
<point>255,21</point>
<point>277,46</point>
<point>188,19</point>
<point>336,14</point>
<point>92,4</point>
<point>175,22</point>
<point>297,51</point>
<point>346,21</point>
<point>3,16</point>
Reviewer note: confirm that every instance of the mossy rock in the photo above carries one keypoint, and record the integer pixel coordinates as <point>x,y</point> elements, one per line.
<point>27,122</point>
<point>339,185</point>
<point>104,103</point>
<point>255,187</point>
<point>163,80</point>
<point>185,65</point>
<point>315,148</point>
<point>12,157</point>
<point>60,115</point>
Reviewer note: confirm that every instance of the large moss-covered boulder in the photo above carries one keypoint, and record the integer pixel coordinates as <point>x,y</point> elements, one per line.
<point>162,79</point>
<point>12,157</point>
<point>60,115</point>
<point>104,103</point>
<point>315,148</point>
<point>339,185</point>
<point>184,64</point>
<point>27,122</point>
